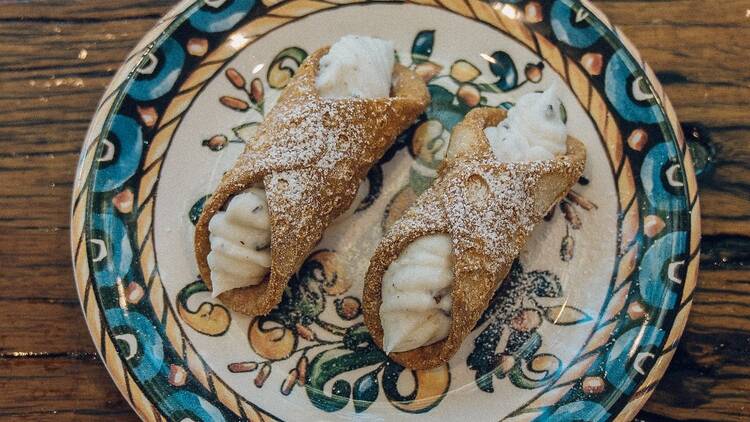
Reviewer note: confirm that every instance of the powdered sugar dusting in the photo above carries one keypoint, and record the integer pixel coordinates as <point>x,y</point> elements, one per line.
<point>496,213</point>
<point>310,154</point>
<point>489,208</point>
<point>331,138</point>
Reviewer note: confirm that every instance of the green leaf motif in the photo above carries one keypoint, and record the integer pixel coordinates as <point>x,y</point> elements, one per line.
<point>390,383</point>
<point>358,338</point>
<point>502,66</point>
<point>540,370</point>
<point>421,48</point>
<point>484,382</point>
<point>208,318</point>
<point>443,109</point>
<point>365,392</point>
<point>358,352</point>
<point>412,402</point>
<point>284,65</point>
<point>195,211</point>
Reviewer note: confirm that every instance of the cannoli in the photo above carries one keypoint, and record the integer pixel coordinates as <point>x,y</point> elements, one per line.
<point>333,121</point>
<point>434,272</point>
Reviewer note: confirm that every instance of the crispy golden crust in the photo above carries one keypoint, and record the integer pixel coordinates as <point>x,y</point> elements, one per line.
<point>310,154</point>
<point>488,209</point>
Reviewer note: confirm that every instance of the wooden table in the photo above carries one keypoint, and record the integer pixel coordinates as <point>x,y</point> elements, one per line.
<point>56,57</point>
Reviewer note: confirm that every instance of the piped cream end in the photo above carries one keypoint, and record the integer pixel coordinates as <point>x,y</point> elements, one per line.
<point>389,342</point>
<point>218,289</point>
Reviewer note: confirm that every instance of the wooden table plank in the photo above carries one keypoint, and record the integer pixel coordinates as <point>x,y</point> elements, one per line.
<point>55,387</point>
<point>57,57</point>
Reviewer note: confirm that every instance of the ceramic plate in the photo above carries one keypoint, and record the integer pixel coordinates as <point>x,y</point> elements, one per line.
<point>582,329</point>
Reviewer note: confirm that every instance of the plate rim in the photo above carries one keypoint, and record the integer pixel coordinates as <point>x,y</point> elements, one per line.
<point>163,30</point>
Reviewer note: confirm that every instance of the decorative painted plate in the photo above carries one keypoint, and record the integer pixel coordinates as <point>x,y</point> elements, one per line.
<point>583,327</point>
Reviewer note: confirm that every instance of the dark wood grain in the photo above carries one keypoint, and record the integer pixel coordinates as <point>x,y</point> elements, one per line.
<point>56,57</point>
<point>70,386</point>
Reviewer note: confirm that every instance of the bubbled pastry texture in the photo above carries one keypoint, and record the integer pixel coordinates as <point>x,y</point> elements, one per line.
<point>488,208</point>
